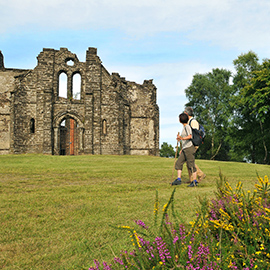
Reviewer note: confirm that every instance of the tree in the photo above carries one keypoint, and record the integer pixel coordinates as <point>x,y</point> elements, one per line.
<point>242,142</point>
<point>209,95</point>
<point>251,106</point>
<point>256,95</point>
<point>166,150</point>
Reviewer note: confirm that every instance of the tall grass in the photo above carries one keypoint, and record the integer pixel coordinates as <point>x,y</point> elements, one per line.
<point>56,212</point>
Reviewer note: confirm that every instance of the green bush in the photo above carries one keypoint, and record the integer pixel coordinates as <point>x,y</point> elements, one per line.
<point>230,232</point>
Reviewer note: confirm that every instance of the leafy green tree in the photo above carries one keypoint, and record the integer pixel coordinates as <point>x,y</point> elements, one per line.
<point>243,145</point>
<point>256,95</point>
<point>166,150</point>
<point>248,134</point>
<point>210,97</point>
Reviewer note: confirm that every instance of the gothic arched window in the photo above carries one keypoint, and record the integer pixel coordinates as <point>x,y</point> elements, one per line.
<point>63,85</point>
<point>76,86</point>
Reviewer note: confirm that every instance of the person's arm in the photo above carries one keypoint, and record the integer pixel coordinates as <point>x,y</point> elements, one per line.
<point>186,137</point>
<point>188,132</point>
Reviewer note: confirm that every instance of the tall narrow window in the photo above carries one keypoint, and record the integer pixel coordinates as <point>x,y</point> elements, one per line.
<point>32,125</point>
<point>76,86</point>
<point>63,85</point>
<point>104,127</point>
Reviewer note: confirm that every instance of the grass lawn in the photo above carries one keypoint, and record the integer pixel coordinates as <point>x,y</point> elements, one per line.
<point>56,212</point>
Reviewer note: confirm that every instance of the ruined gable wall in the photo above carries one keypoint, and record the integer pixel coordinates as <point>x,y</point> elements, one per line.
<point>130,109</point>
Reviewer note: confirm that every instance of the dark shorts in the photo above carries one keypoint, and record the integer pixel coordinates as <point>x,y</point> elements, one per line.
<point>187,155</point>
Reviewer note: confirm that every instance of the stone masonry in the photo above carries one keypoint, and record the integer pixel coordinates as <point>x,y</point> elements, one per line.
<point>109,115</point>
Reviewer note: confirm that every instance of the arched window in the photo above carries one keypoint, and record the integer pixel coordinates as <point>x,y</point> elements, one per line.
<point>76,86</point>
<point>63,85</point>
<point>32,125</point>
<point>104,127</point>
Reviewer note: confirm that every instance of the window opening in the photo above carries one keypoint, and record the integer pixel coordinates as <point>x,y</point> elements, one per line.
<point>76,86</point>
<point>70,62</point>
<point>32,125</point>
<point>104,127</point>
<point>63,85</point>
<point>63,123</point>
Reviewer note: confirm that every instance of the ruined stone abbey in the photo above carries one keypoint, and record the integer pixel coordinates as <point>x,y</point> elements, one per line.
<point>43,111</point>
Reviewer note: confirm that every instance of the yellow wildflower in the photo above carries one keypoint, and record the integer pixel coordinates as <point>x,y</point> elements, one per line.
<point>192,223</point>
<point>164,207</point>
<point>260,180</point>
<point>124,227</point>
<point>223,213</point>
<point>137,239</point>
<point>156,207</point>
<point>228,186</point>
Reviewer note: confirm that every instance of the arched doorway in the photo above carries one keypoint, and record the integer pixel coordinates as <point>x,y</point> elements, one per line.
<point>69,136</point>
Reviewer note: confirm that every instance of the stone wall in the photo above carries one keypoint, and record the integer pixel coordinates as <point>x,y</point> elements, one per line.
<point>7,86</point>
<point>111,115</point>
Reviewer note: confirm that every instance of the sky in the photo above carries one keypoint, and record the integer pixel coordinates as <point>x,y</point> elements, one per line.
<point>168,41</point>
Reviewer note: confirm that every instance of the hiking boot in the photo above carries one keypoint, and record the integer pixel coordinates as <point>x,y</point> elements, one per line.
<point>193,184</point>
<point>176,182</point>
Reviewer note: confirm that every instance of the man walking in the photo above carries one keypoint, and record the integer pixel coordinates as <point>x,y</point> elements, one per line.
<point>194,124</point>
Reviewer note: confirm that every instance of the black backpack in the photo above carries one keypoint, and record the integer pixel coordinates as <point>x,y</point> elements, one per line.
<point>197,134</point>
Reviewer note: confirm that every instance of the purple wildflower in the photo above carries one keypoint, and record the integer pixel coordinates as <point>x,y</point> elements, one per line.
<point>97,264</point>
<point>162,249</point>
<point>141,223</point>
<point>176,238</point>
<point>118,260</point>
<point>190,252</point>
<point>106,266</point>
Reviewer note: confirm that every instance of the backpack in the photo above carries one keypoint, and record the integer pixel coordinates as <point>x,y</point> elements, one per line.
<point>197,134</point>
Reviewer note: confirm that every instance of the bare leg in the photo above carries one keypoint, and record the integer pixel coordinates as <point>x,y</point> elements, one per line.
<point>179,173</point>
<point>194,176</point>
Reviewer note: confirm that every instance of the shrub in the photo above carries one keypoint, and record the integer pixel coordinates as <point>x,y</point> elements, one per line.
<point>230,232</point>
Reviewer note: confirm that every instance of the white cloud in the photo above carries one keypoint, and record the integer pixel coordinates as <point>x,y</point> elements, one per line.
<point>231,23</point>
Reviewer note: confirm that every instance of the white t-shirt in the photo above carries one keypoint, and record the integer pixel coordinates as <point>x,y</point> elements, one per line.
<point>194,123</point>
<point>185,132</point>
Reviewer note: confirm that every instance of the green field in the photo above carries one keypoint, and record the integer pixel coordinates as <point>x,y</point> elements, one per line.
<point>57,211</point>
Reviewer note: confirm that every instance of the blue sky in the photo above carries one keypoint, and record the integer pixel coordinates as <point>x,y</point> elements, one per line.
<point>168,41</point>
